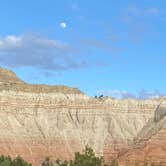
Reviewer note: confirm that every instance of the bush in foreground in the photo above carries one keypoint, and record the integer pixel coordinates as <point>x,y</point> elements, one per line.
<point>88,158</point>
<point>18,161</point>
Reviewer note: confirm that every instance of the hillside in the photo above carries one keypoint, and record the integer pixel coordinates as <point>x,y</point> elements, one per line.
<point>42,120</point>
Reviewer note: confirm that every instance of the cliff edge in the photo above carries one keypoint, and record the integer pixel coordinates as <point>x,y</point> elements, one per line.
<point>41,120</point>
<point>10,81</point>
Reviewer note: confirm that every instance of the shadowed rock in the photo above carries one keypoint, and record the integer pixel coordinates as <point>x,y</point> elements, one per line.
<point>160,112</point>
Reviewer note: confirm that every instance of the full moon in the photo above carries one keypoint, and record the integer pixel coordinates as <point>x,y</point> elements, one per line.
<point>63,25</point>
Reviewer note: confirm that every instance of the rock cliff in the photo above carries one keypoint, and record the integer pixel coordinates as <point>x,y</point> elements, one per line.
<point>40,120</point>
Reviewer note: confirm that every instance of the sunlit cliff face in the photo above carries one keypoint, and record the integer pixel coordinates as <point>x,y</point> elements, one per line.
<point>41,120</point>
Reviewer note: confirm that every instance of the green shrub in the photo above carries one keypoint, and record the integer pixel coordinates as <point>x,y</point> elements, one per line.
<point>88,158</point>
<point>18,161</point>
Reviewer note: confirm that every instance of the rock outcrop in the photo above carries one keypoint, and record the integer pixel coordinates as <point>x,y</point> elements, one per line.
<point>40,120</point>
<point>150,143</point>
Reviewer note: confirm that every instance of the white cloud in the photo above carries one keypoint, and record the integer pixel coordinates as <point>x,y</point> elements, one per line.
<point>116,93</point>
<point>31,41</point>
<point>122,94</point>
<point>10,42</point>
<point>38,52</point>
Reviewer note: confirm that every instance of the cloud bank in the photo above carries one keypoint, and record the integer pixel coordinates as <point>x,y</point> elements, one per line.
<point>38,52</point>
<point>122,94</point>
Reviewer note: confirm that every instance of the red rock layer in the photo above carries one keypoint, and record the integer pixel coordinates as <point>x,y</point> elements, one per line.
<point>150,150</point>
<point>40,120</point>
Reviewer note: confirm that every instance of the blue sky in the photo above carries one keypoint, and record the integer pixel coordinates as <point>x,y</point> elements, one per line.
<point>107,46</point>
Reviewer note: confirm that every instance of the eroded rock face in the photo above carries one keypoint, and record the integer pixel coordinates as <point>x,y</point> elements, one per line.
<point>150,143</point>
<point>40,120</point>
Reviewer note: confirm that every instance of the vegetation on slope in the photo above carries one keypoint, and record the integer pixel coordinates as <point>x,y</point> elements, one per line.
<point>88,158</point>
<point>8,161</point>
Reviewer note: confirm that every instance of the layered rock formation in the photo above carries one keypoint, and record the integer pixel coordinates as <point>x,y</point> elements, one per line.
<point>150,143</point>
<point>41,120</point>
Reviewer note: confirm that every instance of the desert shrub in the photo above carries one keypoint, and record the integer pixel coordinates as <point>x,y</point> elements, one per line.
<point>88,158</point>
<point>48,162</point>
<point>5,161</point>
<point>18,161</point>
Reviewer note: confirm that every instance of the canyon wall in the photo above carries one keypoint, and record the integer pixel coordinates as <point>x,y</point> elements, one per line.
<point>40,120</point>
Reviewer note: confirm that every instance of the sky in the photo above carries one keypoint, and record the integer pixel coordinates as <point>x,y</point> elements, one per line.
<point>99,46</point>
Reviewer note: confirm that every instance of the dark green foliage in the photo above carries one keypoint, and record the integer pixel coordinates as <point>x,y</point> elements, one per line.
<point>101,96</point>
<point>47,162</point>
<point>7,161</point>
<point>18,161</point>
<point>88,158</point>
